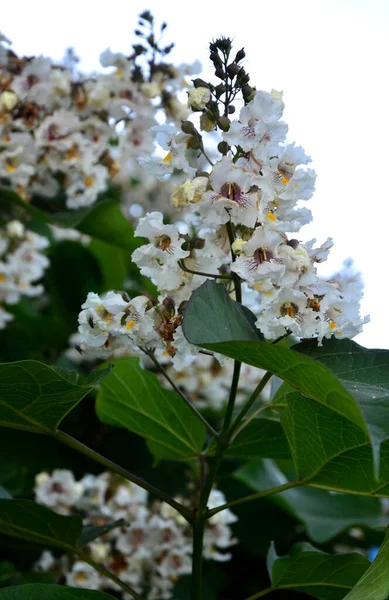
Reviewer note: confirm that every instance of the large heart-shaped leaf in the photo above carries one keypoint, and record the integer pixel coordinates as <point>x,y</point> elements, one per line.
<point>321,575</point>
<point>323,515</point>
<point>43,591</point>
<point>213,321</point>
<point>364,373</point>
<point>330,452</point>
<point>374,583</point>
<point>36,397</point>
<point>133,398</point>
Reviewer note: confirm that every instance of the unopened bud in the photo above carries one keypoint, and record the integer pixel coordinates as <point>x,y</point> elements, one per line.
<point>240,55</point>
<point>206,122</point>
<point>198,244</point>
<point>223,148</point>
<point>188,127</point>
<point>224,123</point>
<point>197,83</point>
<point>220,89</point>
<point>233,69</point>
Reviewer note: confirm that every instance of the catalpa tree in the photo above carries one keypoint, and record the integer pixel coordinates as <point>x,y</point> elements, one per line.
<point>183,411</point>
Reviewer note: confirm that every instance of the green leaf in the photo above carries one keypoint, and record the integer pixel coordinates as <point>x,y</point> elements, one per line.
<point>133,398</point>
<point>103,220</point>
<point>365,374</point>
<point>323,515</point>
<point>374,583</point>
<point>213,321</point>
<point>113,262</point>
<point>321,575</point>
<point>31,521</point>
<point>106,222</point>
<point>8,571</point>
<point>36,397</point>
<point>261,438</point>
<point>329,451</point>
<point>42,591</point>
<point>91,532</point>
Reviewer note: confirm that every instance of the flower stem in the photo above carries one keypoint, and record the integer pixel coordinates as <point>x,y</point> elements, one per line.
<point>214,276</point>
<point>248,405</point>
<point>180,393</point>
<point>63,437</point>
<point>256,496</point>
<point>101,569</point>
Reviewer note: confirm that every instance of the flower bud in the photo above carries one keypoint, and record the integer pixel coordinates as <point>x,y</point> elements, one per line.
<point>240,55</point>
<point>200,83</point>
<point>224,123</point>
<point>220,89</point>
<point>188,127</point>
<point>223,148</point>
<point>233,69</point>
<point>206,122</point>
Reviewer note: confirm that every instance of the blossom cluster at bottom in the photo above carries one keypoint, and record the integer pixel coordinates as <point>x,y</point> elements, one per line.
<point>150,553</point>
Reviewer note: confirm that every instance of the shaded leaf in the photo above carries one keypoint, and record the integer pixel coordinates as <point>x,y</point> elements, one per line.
<point>261,438</point>
<point>331,452</point>
<point>91,532</point>
<point>321,575</point>
<point>4,494</point>
<point>364,373</point>
<point>213,321</point>
<point>42,591</point>
<point>133,398</point>
<point>374,583</point>
<point>324,515</point>
<point>8,571</point>
<point>36,397</point>
<point>31,521</point>
<point>103,220</point>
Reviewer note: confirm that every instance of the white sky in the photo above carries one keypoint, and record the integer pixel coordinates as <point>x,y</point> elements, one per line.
<point>330,57</point>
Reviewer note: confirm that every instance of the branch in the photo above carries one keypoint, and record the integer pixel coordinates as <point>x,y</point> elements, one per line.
<point>214,276</point>
<point>180,393</point>
<point>256,496</point>
<point>235,429</point>
<point>101,569</point>
<point>63,437</point>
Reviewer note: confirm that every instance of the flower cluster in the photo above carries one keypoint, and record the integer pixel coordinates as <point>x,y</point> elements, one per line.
<point>240,225</point>
<point>21,265</point>
<point>67,135</point>
<point>151,551</point>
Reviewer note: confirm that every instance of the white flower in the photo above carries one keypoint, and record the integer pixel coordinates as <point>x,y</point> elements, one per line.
<point>198,97</point>
<point>84,576</point>
<point>59,490</point>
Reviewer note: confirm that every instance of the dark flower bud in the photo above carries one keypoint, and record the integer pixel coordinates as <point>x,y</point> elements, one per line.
<point>215,58</point>
<point>240,55</point>
<point>293,243</point>
<point>233,69</point>
<point>193,144</point>
<point>198,244</point>
<point>188,127</point>
<point>223,148</point>
<point>219,73</point>
<point>231,109</point>
<point>200,83</point>
<point>182,307</point>
<point>220,89</point>
<point>224,123</point>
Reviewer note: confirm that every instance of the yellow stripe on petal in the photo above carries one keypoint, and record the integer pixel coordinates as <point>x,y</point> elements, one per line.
<point>167,158</point>
<point>130,324</point>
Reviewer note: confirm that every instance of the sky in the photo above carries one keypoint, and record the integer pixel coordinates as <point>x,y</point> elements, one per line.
<point>330,59</point>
